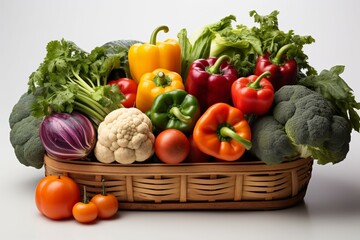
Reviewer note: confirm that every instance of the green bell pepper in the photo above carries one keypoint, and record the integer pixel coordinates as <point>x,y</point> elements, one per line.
<point>175,109</point>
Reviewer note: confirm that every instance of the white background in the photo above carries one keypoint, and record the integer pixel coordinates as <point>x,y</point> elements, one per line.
<point>332,204</point>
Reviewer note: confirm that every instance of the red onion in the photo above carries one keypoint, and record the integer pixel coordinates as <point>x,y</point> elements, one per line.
<point>67,136</point>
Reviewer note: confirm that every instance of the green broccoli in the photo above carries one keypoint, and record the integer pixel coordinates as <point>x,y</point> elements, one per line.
<point>24,133</point>
<point>303,123</point>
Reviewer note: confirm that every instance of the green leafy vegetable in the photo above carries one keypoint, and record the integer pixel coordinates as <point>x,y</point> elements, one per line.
<point>200,47</point>
<point>243,44</point>
<point>117,46</point>
<point>72,79</point>
<point>272,39</point>
<point>333,88</point>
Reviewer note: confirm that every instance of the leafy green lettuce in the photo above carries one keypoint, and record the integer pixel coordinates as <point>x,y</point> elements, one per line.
<point>243,44</point>
<point>200,47</point>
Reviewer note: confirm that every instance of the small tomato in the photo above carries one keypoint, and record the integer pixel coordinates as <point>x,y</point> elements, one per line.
<point>85,212</point>
<point>55,196</point>
<point>106,203</point>
<point>129,88</point>
<point>172,146</point>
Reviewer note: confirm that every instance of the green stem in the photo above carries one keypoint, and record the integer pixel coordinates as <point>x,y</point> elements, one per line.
<point>92,85</point>
<point>215,69</point>
<point>80,86</point>
<point>81,82</point>
<point>256,84</point>
<point>227,132</point>
<point>96,117</point>
<point>85,199</point>
<point>161,80</point>
<point>179,115</point>
<point>88,101</point>
<point>155,32</point>
<point>103,192</point>
<point>277,59</point>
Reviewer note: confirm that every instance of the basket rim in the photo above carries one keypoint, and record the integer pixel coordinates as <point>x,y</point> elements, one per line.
<point>256,166</point>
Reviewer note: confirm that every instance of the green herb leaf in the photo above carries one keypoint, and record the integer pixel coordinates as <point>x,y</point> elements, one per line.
<point>72,79</point>
<point>272,39</point>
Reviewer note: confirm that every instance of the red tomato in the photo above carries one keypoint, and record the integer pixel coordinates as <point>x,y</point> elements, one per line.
<point>55,196</point>
<point>172,146</point>
<point>129,88</point>
<point>106,203</point>
<point>195,155</point>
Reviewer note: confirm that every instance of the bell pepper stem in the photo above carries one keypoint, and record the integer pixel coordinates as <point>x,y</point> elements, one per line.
<point>256,84</point>
<point>215,69</point>
<point>277,59</point>
<point>179,115</point>
<point>161,79</point>
<point>155,32</point>
<point>227,132</point>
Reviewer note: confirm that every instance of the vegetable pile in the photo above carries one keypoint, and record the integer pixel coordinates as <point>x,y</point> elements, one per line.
<point>224,94</point>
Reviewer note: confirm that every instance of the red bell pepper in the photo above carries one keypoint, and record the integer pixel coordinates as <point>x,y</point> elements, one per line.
<point>129,88</point>
<point>210,80</point>
<point>253,94</point>
<point>283,71</point>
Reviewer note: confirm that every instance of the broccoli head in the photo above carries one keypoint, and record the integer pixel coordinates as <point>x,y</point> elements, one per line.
<point>270,142</point>
<point>24,133</point>
<point>306,125</point>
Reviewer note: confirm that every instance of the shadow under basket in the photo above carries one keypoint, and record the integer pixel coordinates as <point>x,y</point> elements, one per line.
<point>250,185</point>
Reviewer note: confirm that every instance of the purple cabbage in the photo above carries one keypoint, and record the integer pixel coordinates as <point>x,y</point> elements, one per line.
<point>67,136</point>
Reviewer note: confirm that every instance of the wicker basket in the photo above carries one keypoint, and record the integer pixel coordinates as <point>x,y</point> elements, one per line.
<point>220,185</point>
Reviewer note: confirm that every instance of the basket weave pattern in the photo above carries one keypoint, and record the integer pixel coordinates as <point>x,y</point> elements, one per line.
<point>236,185</point>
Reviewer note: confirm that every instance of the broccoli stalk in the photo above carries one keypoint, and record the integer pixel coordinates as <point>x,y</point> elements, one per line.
<point>303,124</point>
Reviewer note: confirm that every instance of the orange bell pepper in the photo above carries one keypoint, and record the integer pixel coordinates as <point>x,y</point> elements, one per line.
<point>155,83</point>
<point>223,132</point>
<point>147,57</point>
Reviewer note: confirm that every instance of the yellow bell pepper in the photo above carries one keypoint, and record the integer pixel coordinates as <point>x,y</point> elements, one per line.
<point>147,57</point>
<point>155,83</point>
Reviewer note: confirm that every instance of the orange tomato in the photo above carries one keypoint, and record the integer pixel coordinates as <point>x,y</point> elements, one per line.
<point>85,212</point>
<point>55,196</point>
<point>106,203</point>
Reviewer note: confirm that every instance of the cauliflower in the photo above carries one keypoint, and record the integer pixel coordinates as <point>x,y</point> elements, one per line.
<point>125,136</point>
<point>303,123</point>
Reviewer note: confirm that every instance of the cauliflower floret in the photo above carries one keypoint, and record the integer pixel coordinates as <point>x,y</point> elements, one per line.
<point>125,136</point>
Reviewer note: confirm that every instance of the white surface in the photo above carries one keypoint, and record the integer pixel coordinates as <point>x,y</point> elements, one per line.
<point>332,204</point>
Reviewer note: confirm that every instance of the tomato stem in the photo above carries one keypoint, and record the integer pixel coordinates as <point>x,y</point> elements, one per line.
<point>103,192</point>
<point>85,198</point>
